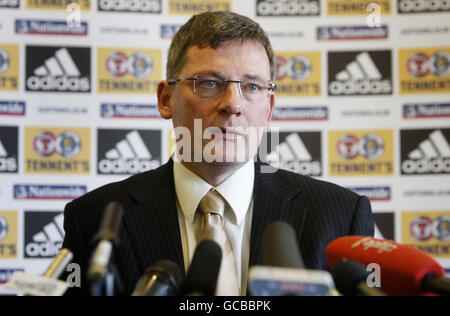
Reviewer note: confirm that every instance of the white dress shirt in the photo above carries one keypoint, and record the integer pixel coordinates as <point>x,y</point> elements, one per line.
<point>237,190</point>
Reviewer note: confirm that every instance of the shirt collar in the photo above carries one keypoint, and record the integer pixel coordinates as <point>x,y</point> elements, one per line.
<point>237,190</point>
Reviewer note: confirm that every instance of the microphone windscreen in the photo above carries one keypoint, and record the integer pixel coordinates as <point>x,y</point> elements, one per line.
<point>169,269</point>
<point>347,275</point>
<point>402,267</point>
<point>204,269</point>
<point>280,247</point>
<point>111,221</point>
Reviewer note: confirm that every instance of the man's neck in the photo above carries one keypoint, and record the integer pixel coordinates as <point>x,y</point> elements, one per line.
<point>214,174</point>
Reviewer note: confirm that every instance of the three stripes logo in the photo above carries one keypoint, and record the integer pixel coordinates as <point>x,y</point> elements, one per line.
<point>360,73</point>
<point>296,152</point>
<point>128,151</point>
<point>44,234</point>
<point>58,69</point>
<point>425,152</point>
<point>8,149</point>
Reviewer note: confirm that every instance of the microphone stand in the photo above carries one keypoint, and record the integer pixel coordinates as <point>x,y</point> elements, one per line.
<point>109,285</point>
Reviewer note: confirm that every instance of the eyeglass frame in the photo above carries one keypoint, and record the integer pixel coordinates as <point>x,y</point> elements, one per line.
<point>271,87</point>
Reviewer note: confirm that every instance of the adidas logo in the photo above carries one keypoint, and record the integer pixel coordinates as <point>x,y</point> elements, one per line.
<point>7,164</point>
<point>47,242</point>
<point>432,156</point>
<point>130,156</point>
<point>59,73</point>
<point>292,155</point>
<point>360,77</point>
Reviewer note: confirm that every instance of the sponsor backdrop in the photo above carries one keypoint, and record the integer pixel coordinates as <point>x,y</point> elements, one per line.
<point>363,101</point>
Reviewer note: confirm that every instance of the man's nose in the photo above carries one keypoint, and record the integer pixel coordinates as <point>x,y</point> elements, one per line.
<point>232,99</point>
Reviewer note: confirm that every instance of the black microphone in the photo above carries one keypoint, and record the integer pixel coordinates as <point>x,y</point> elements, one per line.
<point>350,278</point>
<point>280,247</point>
<point>105,241</point>
<point>164,278</point>
<point>204,270</point>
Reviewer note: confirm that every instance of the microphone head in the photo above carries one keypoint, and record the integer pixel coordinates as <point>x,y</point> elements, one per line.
<point>168,268</point>
<point>402,267</point>
<point>347,274</point>
<point>280,246</point>
<point>204,269</point>
<point>163,278</point>
<point>111,222</point>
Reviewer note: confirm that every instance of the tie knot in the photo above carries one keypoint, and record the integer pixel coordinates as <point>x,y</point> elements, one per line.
<point>213,202</point>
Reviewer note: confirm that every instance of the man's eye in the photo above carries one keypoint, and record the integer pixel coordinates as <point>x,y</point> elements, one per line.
<point>252,87</point>
<point>209,84</point>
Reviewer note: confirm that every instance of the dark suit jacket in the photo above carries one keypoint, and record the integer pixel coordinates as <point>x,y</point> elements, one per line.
<point>318,211</point>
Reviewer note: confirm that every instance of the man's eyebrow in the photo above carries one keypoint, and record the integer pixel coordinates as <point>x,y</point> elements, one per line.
<point>253,77</point>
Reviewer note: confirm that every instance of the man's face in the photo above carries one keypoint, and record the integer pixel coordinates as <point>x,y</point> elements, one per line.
<point>229,111</point>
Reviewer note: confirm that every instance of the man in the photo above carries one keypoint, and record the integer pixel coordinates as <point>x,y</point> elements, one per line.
<point>219,87</point>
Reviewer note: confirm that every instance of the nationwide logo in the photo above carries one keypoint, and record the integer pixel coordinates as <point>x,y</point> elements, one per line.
<point>119,110</point>
<point>9,149</point>
<point>44,234</point>
<point>428,231</point>
<point>134,6</point>
<point>420,6</point>
<point>359,73</point>
<point>6,274</point>
<point>296,113</point>
<point>384,225</point>
<point>425,152</point>
<point>84,5</point>
<point>48,192</point>
<point>424,71</point>
<point>430,110</point>
<point>356,7</point>
<point>12,108</point>
<point>9,3</point>
<point>361,153</point>
<point>44,27</point>
<point>298,74</point>
<point>190,7</point>
<point>375,194</point>
<point>57,150</point>
<point>55,69</point>
<point>128,70</point>
<point>8,234</point>
<point>9,67</point>
<point>296,152</point>
<point>168,31</point>
<point>287,7</point>
<point>332,33</point>
<point>128,151</point>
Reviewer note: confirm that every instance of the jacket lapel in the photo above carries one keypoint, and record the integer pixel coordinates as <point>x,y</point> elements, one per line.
<point>274,200</point>
<point>152,223</point>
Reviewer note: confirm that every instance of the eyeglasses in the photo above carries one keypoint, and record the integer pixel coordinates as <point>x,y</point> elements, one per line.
<point>212,86</point>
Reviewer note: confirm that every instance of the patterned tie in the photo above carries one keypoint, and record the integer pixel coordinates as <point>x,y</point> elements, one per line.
<point>213,207</point>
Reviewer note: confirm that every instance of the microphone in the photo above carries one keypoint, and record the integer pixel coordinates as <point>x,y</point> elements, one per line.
<point>405,270</point>
<point>204,270</point>
<point>59,264</point>
<point>283,273</point>
<point>164,278</point>
<point>280,246</point>
<point>105,240</point>
<point>350,279</point>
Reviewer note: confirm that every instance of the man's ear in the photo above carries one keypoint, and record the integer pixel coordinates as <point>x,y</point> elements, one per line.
<point>271,107</point>
<point>164,100</point>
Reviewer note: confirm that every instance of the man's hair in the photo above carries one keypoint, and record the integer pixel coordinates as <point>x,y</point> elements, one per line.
<point>213,29</point>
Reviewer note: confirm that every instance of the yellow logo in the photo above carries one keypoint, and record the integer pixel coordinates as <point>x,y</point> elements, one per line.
<point>136,71</point>
<point>424,71</point>
<point>361,153</point>
<point>427,231</point>
<point>191,7</point>
<point>9,67</point>
<point>57,150</point>
<point>8,234</point>
<point>298,74</point>
<point>84,5</point>
<point>358,7</point>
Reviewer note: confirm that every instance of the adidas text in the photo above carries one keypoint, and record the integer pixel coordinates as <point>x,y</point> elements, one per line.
<point>423,5</point>
<point>426,166</point>
<point>48,83</point>
<point>153,6</point>
<point>129,166</point>
<point>43,249</point>
<point>8,165</point>
<point>362,87</point>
